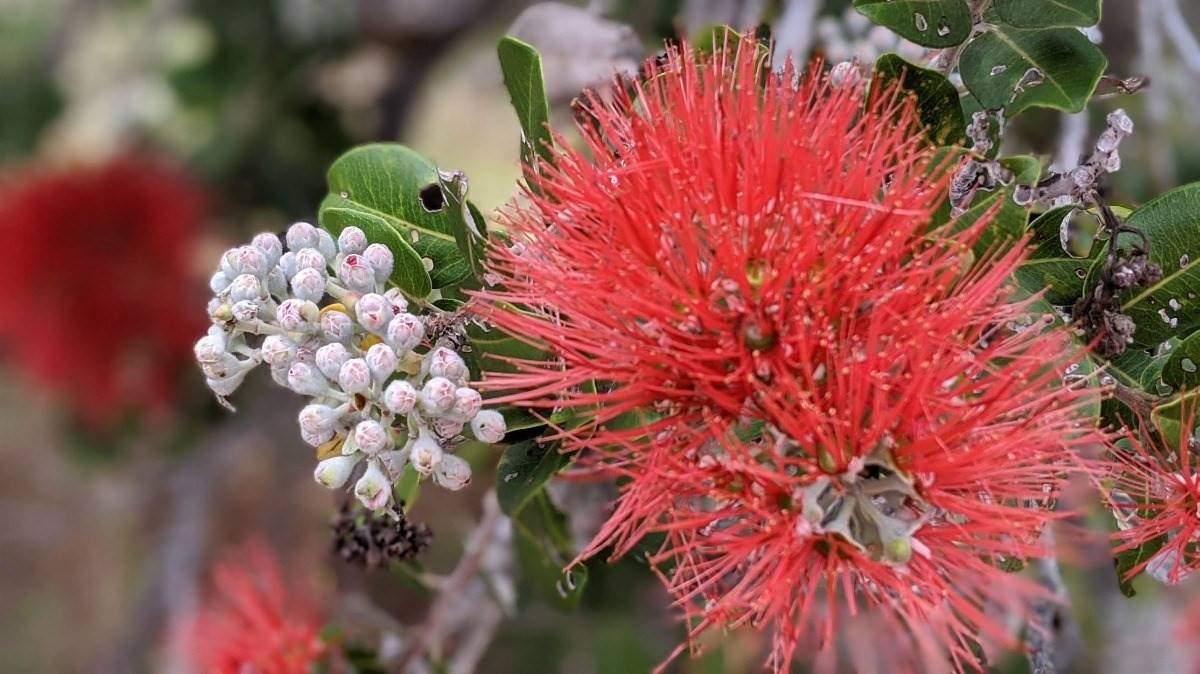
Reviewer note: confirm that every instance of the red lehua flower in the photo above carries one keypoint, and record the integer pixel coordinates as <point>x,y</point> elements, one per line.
<point>1153,489</point>
<point>101,306</point>
<point>752,258</point>
<point>253,623</point>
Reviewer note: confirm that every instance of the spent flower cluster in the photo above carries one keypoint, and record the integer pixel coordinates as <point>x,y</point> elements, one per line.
<point>386,386</point>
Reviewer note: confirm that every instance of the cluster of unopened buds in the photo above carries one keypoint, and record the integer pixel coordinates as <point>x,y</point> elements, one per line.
<point>383,391</point>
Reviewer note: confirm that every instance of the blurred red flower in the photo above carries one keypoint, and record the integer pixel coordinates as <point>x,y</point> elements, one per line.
<point>101,305</point>
<point>253,622</point>
<point>851,414</point>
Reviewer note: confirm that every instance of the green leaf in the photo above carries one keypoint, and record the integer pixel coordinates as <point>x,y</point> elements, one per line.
<point>407,488</point>
<point>1051,268</point>
<point>544,550</point>
<point>524,470</point>
<point>1018,69</point>
<point>398,187</point>
<point>929,23</point>
<point>522,68</point>
<point>470,229</point>
<point>936,98</point>
<point>1182,363</point>
<point>409,271</point>
<point>1139,369</point>
<point>1130,559</point>
<point>1048,13</point>
<point>1169,308</point>
<point>1169,417</point>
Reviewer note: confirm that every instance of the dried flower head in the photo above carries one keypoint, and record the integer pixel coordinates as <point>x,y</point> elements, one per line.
<point>849,412</point>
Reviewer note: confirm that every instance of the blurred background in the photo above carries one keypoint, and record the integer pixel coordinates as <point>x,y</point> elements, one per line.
<point>140,138</point>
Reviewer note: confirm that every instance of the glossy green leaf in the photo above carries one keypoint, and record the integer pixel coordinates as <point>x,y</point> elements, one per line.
<point>524,470</point>
<point>522,68</point>
<point>1130,559</point>
<point>1169,417</point>
<point>1169,308</point>
<point>1182,364</point>
<point>470,229</point>
<point>1048,13</point>
<point>1018,69</point>
<point>544,550</point>
<point>1051,269</point>
<point>403,189</point>
<point>409,272</point>
<point>936,98</point>
<point>929,23</point>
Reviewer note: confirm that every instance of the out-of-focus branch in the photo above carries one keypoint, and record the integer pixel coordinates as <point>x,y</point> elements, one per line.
<point>794,32</point>
<point>1175,26</point>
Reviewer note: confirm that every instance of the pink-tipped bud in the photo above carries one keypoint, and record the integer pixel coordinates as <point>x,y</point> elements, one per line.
<point>251,260</point>
<point>426,454</point>
<point>287,264</point>
<point>399,303</point>
<point>371,437</point>
<point>355,376</point>
<point>326,245</point>
<point>337,326</point>
<point>446,363</point>
<point>352,241</point>
<point>330,358</point>
<point>270,246</point>
<point>467,403</point>
<point>315,438</point>
<point>373,489</point>
<point>400,397</point>
<point>245,287</point>
<point>452,472</point>
<point>317,418</point>
<point>437,396</point>
<point>405,332</point>
<point>227,264</point>
<point>356,274</point>
<point>211,347</point>
<point>381,260</point>
<point>336,470</point>
<point>374,312</point>
<point>224,366</point>
<point>310,258</point>
<point>309,284</point>
<point>246,310</point>
<point>446,428</point>
<point>302,235</point>
<point>488,426</point>
<point>297,315</point>
<point>306,380</point>
<point>381,360</point>
<point>278,350</point>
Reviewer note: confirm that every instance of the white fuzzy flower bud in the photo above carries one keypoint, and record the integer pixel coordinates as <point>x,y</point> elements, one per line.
<point>309,284</point>
<point>211,347</point>
<point>352,241</point>
<point>326,245</point>
<point>227,264</point>
<point>381,260</point>
<point>452,472</point>
<point>279,373</point>
<point>317,438</point>
<point>270,245</point>
<point>218,282</point>
<point>297,315</point>
<point>287,264</point>
<point>245,287</point>
<point>302,235</point>
<point>317,419</point>
<point>356,274</point>
<point>310,258</point>
<point>405,332</point>
<point>426,454</point>
<point>335,471</point>
<point>374,312</point>
<point>437,396</point>
<point>251,260</point>
<point>399,303</point>
<point>381,360</point>
<point>330,358</point>
<point>488,426</point>
<point>400,397</point>
<point>446,363</point>
<point>393,462</point>
<point>373,489</point>
<point>246,310</point>
<point>446,428</point>
<point>371,437</point>
<point>355,376</point>
<point>337,326</point>
<point>226,387</point>
<point>306,379</point>
<point>278,350</point>
<point>277,283</point>
<point>467,403</point>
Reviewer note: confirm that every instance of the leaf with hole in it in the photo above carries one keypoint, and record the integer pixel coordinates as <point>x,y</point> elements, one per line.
<point>1018,69</point>
<point>1049,267</point>
<point>409,272</point>
<point>929,23</point>
<point>524,470</point>
<point>935,97</point>
<point>392,184</point>
<point>470,230</point>
<point>1048,13</point>
<point>1170,307</point>
<point>522,68</point>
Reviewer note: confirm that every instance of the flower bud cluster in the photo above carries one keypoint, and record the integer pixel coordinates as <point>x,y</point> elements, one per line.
<point>384,394</point>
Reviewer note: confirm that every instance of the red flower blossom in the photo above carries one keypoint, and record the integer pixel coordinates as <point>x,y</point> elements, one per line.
<point>852,415</point>
<point>100,304</point>
<point>253,623</point>
<point>1153,489</point>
